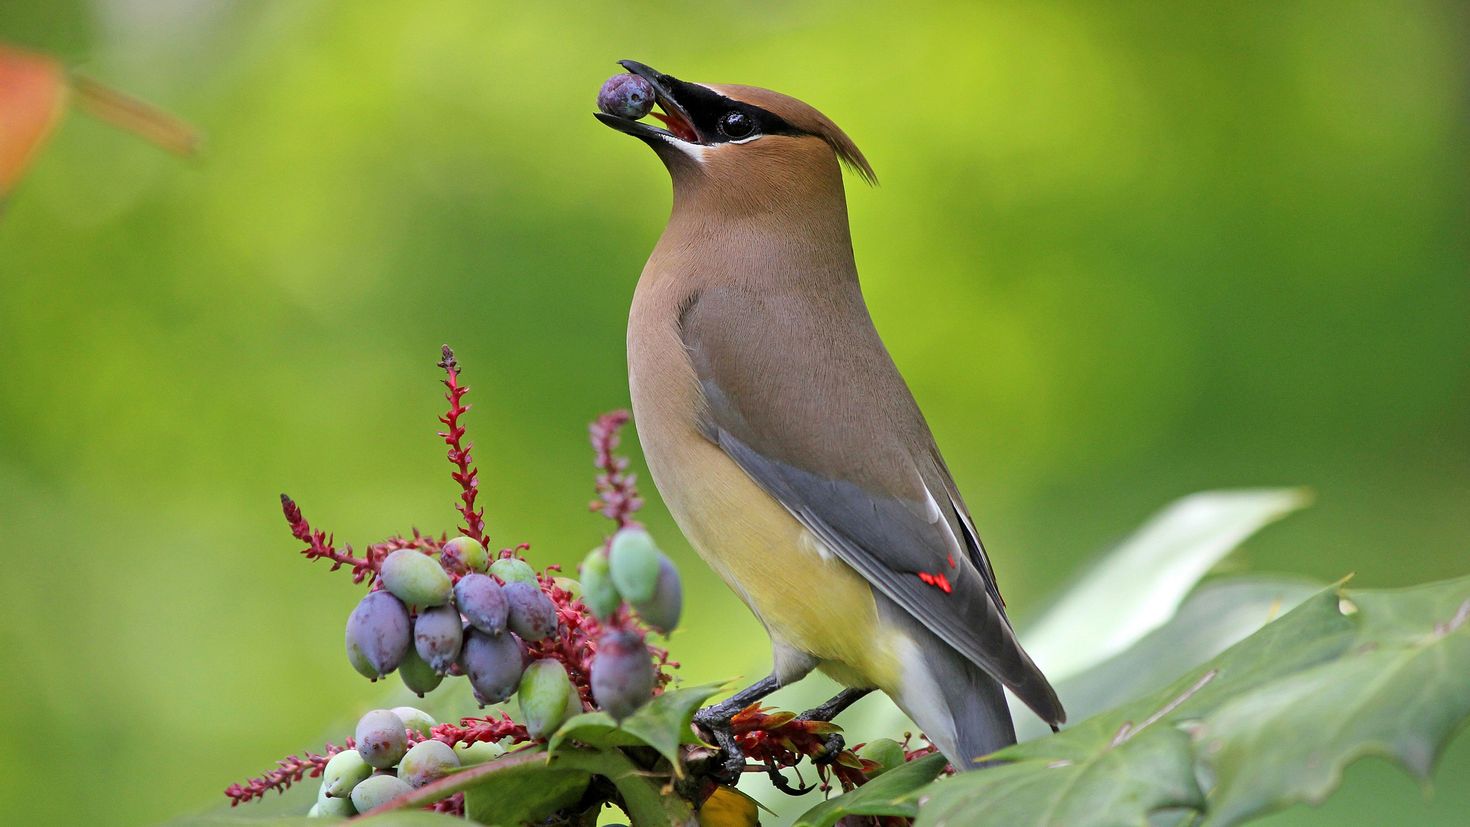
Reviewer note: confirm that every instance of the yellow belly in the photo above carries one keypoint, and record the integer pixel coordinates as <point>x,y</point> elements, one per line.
<point>810,602</point>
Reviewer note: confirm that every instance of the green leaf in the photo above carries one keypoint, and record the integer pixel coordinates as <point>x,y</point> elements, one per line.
<point>662,723</point>
<point>1219,613</point>
<point>524,794</point>
<point>1114,785</point>
<point>894,793</point>
<point>1399,693</point>
<point>596,729</point>
<point>1312,633</point>
<point>1137,586</point>
<point>1271,721</point>
<point>644,800</point>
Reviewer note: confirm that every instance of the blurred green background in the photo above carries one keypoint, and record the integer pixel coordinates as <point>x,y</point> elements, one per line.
<point>1120,253</point>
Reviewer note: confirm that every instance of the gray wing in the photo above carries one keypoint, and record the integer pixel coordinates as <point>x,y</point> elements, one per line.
<point>815,412</point>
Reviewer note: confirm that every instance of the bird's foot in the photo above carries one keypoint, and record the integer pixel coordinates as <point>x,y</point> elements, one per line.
<point>779,781</point>
<point>729,762</point>
<point>830,750</point>
<point>826,712</point>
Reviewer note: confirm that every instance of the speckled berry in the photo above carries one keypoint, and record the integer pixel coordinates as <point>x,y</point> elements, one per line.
<point>381,738</point>
<point>463,554</point>
<point>427,761</point>
<point>626,96</point>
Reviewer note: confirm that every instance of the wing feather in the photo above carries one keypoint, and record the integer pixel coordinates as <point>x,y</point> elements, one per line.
<point>877,494</point>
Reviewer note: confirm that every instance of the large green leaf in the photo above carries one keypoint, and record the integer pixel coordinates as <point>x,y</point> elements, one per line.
<point>1118,784</point>
<point>894,793</point>
<point>1219,613</point>
<point>1399,693</point>
<point>523,794</point>
<point>1137,586</point>
<point>1271,721</point>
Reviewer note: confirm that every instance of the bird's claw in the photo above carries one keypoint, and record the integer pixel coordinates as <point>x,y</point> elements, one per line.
<point>779,781</point>
<point>714,721</point>
<point>830,750</point>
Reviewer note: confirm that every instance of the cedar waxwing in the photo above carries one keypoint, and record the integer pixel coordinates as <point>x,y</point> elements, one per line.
<point>783,439</point>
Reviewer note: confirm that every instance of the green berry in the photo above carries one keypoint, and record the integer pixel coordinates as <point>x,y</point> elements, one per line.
<point>478,753</point>
<point>414,578</point>
<point>462,555</point>
<point>662,610</point>
<point>543,694</point>
<point>381,739</point>
<point>427,761</point>
<point>887,752</point>
<point>343,772</point>
<point>378,790</point>
<point>634,565</point>
<point>418,676</point>
<point>511,570</point>
<point>415,719</point>
<point>598,591</point>
<point>332,808</point>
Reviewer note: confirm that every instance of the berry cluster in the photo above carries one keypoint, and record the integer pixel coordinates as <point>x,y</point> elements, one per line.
<point>499,623</point>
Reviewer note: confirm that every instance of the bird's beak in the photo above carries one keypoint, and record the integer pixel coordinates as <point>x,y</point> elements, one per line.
<point>668,91</point>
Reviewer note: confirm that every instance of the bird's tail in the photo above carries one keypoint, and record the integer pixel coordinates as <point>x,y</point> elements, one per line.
<point>957,705</point>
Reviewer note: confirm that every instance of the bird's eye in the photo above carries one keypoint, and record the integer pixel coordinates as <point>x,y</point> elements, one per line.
<point>737,125</point>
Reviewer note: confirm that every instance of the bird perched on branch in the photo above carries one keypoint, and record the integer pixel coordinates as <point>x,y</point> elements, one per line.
<point>782,437</point>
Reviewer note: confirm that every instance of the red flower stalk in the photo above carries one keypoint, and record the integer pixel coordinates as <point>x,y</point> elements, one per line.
<point>288,771</point>
<point>575,641</point>
<point>319,545</point>
<point>474,730</point>
<point>617,493</point>
<point>464,472</point>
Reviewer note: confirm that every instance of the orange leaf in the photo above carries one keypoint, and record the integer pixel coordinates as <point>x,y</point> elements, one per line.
<point>32,98</point>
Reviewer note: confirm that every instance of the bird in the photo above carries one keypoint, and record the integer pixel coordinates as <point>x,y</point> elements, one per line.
<point>786,444</point>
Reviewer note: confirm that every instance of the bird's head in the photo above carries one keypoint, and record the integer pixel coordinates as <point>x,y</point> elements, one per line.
<point>748,146</point>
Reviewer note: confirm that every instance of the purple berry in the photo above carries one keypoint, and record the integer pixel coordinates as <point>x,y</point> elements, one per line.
<point>377,634</point>
<point>494,664</point>
<point>482,602</point>
<point>532,613</point>
<point>626,96</point>
<point>622,673</point>
<point>438,637</point>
